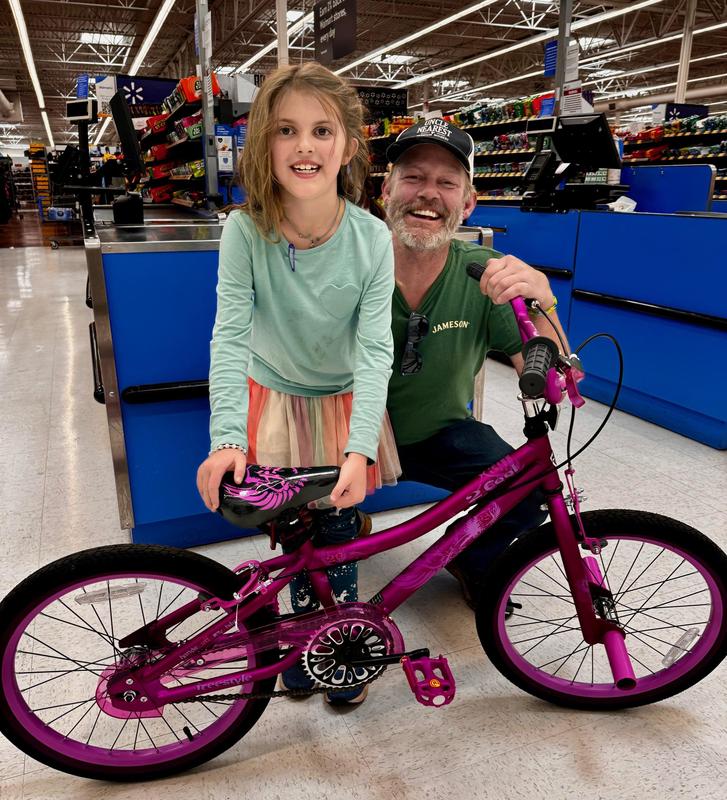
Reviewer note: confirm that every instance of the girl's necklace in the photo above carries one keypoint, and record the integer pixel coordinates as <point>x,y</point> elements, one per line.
<point>309,236</point>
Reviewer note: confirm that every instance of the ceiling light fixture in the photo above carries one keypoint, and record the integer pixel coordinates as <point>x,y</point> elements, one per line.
<point>607,73</point>
<point>649,43</point>
<point>292,30</point>
<point>463,93</point>
<point>541,37</point>
<point>151,35</point>
<point>374,54</point>
<point>634,91</point>
<point>30,63</point>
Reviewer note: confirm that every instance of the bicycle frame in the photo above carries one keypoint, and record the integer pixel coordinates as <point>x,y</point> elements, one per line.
<point>512,479</point>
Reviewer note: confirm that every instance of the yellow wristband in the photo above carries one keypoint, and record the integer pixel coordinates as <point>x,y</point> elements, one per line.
<point>553,306</point>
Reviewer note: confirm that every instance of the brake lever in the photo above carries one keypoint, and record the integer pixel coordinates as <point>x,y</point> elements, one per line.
<point>573,373</point>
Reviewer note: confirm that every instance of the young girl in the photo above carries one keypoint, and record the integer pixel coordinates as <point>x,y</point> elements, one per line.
<point>302,348</point>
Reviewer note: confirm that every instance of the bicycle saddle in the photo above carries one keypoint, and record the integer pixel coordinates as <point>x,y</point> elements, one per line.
<point>266,492</point>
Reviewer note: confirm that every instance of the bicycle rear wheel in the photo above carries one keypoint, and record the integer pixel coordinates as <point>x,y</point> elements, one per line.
<point>59,645</point>
<point>668,582</point>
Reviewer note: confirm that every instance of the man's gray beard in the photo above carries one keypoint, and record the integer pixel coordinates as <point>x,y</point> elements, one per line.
<point>420,239</point>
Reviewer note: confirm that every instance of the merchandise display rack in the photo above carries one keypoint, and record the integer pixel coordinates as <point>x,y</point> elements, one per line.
<point>505,137</point>
<point>40,177</point>
<point>176,177</point>
<point>23,181</point>
<point>683,141</point>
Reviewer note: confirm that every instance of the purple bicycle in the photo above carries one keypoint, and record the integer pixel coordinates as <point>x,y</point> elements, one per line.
<point>132,662</point>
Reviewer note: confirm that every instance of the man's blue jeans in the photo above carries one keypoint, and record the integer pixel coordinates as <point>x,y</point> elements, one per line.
<point>452,457</point>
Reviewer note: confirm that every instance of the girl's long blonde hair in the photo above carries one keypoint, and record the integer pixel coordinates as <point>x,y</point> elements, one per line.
<point>256,171</point>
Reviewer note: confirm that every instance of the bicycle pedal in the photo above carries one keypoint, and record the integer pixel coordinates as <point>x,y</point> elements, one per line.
<point>430,679</point>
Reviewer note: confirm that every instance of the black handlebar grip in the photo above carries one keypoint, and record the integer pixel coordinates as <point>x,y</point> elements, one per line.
<point>475,270</point>
<point>540,353</point>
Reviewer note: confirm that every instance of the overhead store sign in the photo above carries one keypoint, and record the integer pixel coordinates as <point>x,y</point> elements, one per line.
<point>105,90</point>
<point>666,111</point>
<point>143,95</point>
<point>82,87</point>
<point>334,29</point>
<point>551,58</point>
<point>383,102</point>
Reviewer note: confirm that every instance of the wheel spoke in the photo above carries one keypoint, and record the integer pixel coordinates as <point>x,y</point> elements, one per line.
<point>536,620</point>
<point>70,710</point>
<point>560,658</point>
<point>650,564</point>
<point>657,639</point>
<point>558,630</point>
<point>576,649</point>
<point>643,605</point>
<point>644,613</point>
<point>633,563</point>
<point>649,585</point>
<point>558,583</point>
<point>85,627</point>
<point>545,592</point>
<point>585,653</point>
<point>67,658</point>
<point>100,622</point>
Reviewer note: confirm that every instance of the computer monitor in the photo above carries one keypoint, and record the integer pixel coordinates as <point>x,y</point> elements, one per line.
<point>133,159</point>
<point>82,111</point>
<point>586,140</point>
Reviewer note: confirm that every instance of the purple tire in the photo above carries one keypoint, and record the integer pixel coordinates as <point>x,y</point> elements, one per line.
<point>59,643</point>
<point>668,584</point>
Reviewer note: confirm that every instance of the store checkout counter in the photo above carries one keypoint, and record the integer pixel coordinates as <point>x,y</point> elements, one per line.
<point>152,290</point>
<point>655,281</point>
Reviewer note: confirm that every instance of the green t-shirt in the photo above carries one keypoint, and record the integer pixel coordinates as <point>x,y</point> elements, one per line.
<point>463,326</point>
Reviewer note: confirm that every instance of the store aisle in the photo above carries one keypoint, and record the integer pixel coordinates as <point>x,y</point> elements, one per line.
<point>57,495</point>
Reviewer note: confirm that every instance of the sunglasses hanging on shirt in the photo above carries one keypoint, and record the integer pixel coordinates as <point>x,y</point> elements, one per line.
<point>417,327</point>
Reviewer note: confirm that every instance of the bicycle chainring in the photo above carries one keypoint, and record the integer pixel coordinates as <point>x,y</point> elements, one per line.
<point>330,653</point>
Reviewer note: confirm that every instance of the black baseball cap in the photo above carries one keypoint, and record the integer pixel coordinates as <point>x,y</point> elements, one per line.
<point>436,131</point>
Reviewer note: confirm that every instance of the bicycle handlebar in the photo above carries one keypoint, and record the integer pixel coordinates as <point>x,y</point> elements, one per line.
<point>545,373</point>
<point>540,355</point>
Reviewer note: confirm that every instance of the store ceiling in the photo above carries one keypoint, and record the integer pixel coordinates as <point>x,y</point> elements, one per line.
<point>435,63</point>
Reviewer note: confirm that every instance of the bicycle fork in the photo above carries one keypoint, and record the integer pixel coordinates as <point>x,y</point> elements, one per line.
<point>587,584</point>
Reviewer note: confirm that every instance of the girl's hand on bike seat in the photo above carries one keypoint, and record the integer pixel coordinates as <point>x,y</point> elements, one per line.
<point>212,469</point>
<point>351,487</point>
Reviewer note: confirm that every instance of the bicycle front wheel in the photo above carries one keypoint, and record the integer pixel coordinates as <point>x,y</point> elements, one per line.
<point>668,584</point>
<point>59,646</point>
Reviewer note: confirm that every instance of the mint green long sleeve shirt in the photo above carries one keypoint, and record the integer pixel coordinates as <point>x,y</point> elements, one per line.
<point>323,328</point>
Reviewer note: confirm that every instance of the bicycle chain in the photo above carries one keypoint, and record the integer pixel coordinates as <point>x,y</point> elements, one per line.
<point>277,693</point>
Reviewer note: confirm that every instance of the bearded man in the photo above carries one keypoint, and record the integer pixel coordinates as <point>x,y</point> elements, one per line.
<point>444,324</point>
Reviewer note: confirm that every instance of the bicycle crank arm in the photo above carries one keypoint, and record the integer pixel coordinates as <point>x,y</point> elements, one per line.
<point>394,658</point>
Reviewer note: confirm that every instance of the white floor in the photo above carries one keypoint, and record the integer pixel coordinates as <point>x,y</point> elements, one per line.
<point>57,495</point>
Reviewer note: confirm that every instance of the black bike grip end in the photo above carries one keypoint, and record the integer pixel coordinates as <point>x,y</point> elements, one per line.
<point>540,353</point>
<point>475,270</point>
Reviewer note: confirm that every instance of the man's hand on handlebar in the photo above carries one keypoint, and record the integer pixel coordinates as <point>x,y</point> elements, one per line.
<point>508,277</point>
<point>212,469</point>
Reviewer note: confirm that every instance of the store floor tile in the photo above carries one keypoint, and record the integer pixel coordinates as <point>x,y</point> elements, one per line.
<point>57,495</point>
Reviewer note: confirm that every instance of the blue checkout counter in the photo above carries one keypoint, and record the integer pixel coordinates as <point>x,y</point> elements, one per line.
<point>658,283</point>
<point>152,289</point>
